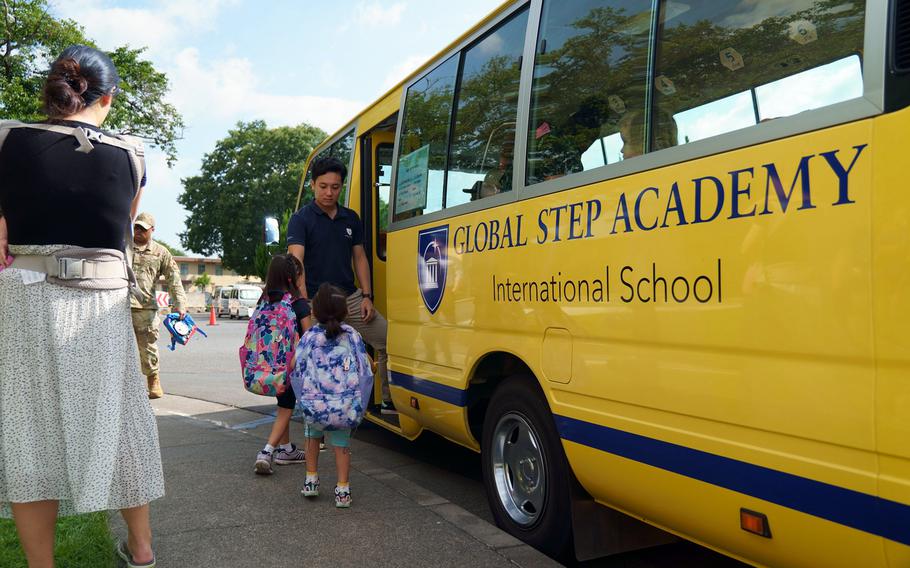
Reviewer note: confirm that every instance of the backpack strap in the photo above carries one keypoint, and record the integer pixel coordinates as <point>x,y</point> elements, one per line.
<point>85,136</point>
<point>135,150</point>
<point>6,126</point>
<point>131,144</point>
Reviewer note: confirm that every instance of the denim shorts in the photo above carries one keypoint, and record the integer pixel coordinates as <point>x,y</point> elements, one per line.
<point>338,438</point>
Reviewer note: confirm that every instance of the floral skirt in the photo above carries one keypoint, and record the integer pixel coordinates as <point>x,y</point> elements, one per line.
<point>76,425</point>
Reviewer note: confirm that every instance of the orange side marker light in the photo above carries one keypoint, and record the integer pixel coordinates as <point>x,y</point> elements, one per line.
<point>754,522</point>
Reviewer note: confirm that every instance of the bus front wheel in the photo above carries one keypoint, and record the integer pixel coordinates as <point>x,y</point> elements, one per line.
<point>524,469</point>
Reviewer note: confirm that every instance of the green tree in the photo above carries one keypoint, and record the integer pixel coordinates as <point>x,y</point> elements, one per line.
<point>253,172</point>
<point>202,282</point>
<point>173,250</point>
<point>30,38</point>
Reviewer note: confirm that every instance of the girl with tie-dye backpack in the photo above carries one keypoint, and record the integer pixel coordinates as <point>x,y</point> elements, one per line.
<point>333,379</point>
<point>267,354</point>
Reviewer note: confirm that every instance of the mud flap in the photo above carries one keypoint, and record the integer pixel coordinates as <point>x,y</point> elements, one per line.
<point>600,531</point>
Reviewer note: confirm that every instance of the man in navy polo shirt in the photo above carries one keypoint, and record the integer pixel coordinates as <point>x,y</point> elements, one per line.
<point>326,237</point>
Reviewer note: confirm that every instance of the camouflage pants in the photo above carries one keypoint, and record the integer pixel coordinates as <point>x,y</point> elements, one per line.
<point>145,324</point>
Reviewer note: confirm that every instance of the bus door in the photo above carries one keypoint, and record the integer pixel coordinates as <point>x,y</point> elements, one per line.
<point>376,173</point>
<point>376,157</point>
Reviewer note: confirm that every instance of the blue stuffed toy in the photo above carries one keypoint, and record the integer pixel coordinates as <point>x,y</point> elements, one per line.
<point>181,330</point>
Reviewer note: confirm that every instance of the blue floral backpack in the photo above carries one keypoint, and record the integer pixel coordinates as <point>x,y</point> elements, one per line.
<point>333,378</point>
<point>269,345</point>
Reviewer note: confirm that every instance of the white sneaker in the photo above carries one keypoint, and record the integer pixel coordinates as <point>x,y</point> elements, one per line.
<point>343,497</point>
<point>264,463</point>
<point>285,457</point>
<point>311,487</point>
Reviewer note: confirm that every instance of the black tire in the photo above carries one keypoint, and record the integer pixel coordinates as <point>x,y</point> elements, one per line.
<point>543,518</point>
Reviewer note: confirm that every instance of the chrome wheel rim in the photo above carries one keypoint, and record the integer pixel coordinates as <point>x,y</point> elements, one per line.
<point>519,469</point>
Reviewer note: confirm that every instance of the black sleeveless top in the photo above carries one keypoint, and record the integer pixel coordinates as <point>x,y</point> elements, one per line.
<point>51,194</point>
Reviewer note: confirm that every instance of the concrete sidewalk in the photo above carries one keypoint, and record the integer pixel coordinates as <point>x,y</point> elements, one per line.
<point>218,513</point>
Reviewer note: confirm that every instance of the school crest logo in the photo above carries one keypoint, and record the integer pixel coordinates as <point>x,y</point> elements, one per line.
<point>432,265</point>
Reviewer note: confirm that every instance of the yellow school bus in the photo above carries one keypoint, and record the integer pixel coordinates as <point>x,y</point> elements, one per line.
<point>651,259</point>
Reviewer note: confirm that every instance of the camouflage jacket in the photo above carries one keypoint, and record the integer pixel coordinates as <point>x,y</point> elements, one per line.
<point>150,262</point>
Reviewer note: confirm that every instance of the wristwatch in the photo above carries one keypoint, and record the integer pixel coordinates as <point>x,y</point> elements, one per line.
<point>368,296</point>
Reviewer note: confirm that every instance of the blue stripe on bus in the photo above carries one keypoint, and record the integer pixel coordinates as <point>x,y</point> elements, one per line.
<point>861,511</point>
<point>452,395</point>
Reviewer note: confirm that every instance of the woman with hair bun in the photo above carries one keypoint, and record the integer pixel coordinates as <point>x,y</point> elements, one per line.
<point>77,432</point>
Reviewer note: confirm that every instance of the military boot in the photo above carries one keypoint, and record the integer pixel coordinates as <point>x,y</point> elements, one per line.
<point>155,390</point>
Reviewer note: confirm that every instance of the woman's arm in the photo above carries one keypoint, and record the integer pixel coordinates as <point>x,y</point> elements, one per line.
<point>134,208</point>
<point>4,243</point>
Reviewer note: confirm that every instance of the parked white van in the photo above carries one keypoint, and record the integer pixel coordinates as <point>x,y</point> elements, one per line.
<point>237,301</point>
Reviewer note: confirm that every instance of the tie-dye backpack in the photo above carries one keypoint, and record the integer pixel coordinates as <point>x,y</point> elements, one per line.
<point>271,337</point>
<point>332,379</point>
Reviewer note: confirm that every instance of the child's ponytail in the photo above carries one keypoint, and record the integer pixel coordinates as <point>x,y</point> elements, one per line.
<point>330,307</point>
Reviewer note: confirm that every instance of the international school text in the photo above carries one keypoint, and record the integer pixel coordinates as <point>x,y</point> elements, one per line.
<point>704,199</point>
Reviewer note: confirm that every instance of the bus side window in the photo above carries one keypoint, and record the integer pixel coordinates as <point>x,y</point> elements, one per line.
<point>722,66</point>
<point>420,181</point>
<point>307,195</point>
<point>342,149</point>
<point>590,72</point>
<point>384,176</point>
<point>483,144</point>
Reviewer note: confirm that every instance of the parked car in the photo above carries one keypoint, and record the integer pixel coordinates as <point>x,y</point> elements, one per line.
<point>236,301</point>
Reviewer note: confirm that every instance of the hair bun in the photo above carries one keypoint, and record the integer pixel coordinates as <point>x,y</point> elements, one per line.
<point>67,68</point>
<point>78,84</point>
<point>77,78</point>
<point>69,71</point>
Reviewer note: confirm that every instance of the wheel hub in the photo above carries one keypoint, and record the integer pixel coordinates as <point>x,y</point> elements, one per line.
<point>519,469</point>
<point>527,474</point>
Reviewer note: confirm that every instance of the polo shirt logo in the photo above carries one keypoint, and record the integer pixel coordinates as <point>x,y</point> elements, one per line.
<point>432,265</point>
<point>349,232</point>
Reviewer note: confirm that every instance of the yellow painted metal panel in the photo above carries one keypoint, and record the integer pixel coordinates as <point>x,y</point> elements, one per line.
<point>447,420</point>
<point>381,110</point>
<point>556,355</point>
<point>738,325</point>
<point>891,282</point>
<point>710,515</point>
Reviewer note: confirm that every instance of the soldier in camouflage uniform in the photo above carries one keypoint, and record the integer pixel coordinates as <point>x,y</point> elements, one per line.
<point>150,262</point>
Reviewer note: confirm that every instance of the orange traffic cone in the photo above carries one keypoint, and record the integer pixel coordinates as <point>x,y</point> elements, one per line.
<point>212,317</point>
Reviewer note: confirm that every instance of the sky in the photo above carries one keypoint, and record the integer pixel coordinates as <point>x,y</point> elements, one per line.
<point>284,62</point>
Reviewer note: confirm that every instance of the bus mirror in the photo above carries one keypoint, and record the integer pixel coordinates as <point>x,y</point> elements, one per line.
<point>272,232</point>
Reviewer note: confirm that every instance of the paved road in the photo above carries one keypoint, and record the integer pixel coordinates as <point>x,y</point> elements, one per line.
<point>209,369</point>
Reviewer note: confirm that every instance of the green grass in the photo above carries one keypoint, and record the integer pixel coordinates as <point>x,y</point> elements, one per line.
<point>83,541</point>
